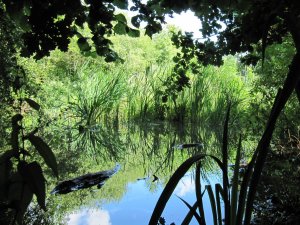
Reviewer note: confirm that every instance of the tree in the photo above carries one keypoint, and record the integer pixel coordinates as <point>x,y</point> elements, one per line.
<point>248,25</point>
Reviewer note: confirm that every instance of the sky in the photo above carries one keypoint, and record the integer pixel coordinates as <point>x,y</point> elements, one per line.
<point>187,22</point>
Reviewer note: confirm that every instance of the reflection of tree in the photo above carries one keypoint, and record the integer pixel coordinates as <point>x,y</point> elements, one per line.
<point>100,142</point>
<point>142,151</point>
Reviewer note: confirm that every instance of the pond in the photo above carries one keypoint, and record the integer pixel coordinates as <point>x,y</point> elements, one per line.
<point>148,154</point>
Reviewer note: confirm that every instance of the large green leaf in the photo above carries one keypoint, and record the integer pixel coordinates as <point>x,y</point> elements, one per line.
<point>122,4</point>
<point>120,17</point>
<point>133,32</point>
<point>45,151</point>
<point>120,28</point>
<point>33,175</point>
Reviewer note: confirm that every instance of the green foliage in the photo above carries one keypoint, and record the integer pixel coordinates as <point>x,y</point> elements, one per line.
<point>21,179</point>
<point>97,94</point>
<point>271,77</point>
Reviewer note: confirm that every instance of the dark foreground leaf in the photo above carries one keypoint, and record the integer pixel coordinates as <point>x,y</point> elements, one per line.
<point>45,151</point>
<point>33,175</point>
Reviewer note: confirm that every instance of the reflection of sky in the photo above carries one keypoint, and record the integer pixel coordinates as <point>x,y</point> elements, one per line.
<point>89,217</point>
<point>136,206</point>
<point>186,185</point>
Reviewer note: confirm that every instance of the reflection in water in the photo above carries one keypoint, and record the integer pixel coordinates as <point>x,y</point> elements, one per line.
<point>143,151</point>
<point>85,181</point>
<point>89,217</point>
<point>186,185</point>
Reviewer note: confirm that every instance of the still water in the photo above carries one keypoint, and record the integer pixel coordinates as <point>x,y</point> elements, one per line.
<point>145,152</point>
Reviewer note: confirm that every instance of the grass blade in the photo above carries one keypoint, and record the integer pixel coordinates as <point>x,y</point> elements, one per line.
<point>212,203</point>
<point>225,164</point>
<point>190,214</point>
<point>172,183</point>
<point>198,192</point>
<point>235,183</point>
<point>192,210</point>
<point>218,189</point>
<point>244,190</point>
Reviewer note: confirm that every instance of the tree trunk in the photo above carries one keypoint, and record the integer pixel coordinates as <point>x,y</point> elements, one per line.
<point>263,146</point>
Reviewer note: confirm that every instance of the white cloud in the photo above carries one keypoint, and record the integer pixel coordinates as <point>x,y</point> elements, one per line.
<point>89,217</point>
<point>186,185</point>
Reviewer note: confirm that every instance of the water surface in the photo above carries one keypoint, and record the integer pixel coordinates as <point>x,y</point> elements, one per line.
<point>130,196</point>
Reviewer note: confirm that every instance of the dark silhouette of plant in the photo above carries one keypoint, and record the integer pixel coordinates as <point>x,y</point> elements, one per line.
<point>20,177</point>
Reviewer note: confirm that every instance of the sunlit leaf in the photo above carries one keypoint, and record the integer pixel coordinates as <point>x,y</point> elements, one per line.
<point>33,175</point>
<point>32,104</point>
<point>133,32</point>
<point>45,151</point>
<point>122,4</point>
<point>120,28</point>
<point>120,17</point>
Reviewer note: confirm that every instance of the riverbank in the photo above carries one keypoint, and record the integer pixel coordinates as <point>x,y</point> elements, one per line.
<point>278,198</point>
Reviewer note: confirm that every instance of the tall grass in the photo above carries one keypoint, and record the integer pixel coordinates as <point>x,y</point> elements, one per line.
<point>97,94</point>
<point>239,211</point>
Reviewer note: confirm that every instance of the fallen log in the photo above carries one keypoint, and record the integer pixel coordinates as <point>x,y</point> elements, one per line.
<point>85,181</point>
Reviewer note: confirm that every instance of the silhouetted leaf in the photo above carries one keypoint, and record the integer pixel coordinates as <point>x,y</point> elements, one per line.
<point>6,156</point>
<point>212,203</point>
<point>83,44</point>
<point>5,169</point>
<point>192,210</point>
<point>136,21</point>
<point>15,187</point>
<point>24,203</point>
<point>32,104</point>
<point>111,57</point>
<point>45,151</point>
<point>33,175</point>
<point>15,131</point>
